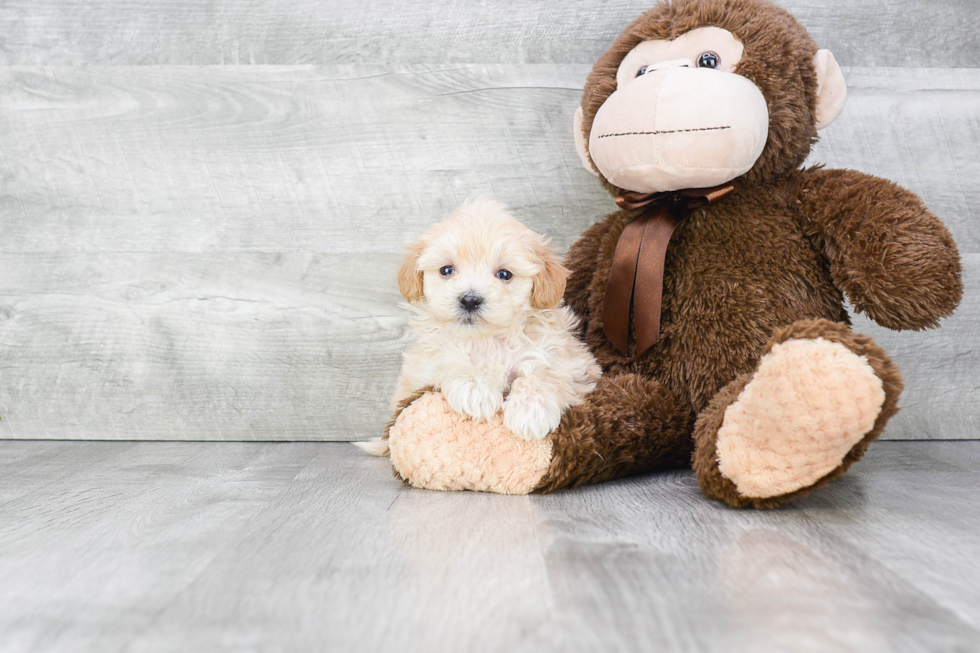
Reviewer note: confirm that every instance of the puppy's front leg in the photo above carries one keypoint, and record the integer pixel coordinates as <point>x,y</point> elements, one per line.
<point>533,409</point>
<point>474,394</point>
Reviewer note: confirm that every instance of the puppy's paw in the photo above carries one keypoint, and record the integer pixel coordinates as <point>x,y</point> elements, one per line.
<point>473,397</point>
<point>531,416</point>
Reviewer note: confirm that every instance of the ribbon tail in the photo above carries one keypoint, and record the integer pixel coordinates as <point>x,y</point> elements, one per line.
<point>620,285</point>
<point>648,293</point>
<point>636,275</point>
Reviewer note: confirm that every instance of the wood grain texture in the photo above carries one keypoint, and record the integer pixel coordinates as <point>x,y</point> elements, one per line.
<point>860,32</point>
<point>333,160</point>
<point>295,547</point>
<point>210,252</point>
<point>217,346</point>
<point>361,158</point>
<point>176,508</point>
<point>293,347</point>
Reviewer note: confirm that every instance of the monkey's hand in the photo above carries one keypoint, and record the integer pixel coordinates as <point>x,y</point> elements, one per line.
<point>894,259</point>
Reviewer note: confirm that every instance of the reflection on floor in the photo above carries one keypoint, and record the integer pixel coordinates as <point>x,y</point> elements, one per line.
<point>315,547</point>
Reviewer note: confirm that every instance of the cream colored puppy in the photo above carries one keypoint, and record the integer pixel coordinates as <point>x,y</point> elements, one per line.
<point>484,292</point>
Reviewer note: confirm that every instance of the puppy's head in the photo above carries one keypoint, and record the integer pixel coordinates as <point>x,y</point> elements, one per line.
<point>481,269</point>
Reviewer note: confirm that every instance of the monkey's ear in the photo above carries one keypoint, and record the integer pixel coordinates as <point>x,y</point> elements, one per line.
<point>409,276</point>
<point>549,283</point>
<point>831,89</point>
<point>580,142</point>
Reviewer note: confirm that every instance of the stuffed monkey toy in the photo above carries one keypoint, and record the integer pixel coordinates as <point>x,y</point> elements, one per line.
<point>714,298</point>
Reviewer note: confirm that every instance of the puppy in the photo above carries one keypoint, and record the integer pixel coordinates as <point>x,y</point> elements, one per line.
<point>485,292</point>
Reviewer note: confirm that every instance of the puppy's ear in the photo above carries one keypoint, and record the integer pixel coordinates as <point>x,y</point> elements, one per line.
<point>409,276</point>
<point>549,284</point>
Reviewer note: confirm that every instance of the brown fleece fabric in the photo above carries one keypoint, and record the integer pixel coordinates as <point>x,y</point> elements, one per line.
<point>579,260</point>
<point>627,425</point>
<point>716,486</point>
<point>895,260</point>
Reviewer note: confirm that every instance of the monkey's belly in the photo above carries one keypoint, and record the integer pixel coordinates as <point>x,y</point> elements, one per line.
<point>717,320</point>
<point>723,301</point>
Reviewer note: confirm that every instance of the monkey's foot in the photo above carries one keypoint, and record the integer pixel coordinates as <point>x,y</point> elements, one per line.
<point>808,403</point>
<point>810,408</point>
<point>627,425</point>
<point>436,448</point>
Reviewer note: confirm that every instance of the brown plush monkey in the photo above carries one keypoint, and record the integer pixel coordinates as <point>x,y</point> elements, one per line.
<point>717,315</point>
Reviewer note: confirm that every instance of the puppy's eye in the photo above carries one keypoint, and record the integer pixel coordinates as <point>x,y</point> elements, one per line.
<point>446,270</point>
<point>504,275</point>
<point>641,71</point>
<point>709,60</point>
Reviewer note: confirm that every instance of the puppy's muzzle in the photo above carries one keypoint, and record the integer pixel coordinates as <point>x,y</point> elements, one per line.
<point>470,302</point>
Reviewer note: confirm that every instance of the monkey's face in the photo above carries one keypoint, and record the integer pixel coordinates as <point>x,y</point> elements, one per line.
<point>666,110</point>
<point>680,116</point>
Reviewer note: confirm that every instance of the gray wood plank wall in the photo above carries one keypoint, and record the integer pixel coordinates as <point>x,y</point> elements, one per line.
<point>203,203</point>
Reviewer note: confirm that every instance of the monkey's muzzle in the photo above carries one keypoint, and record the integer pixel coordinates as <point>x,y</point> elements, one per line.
<point>679,128</point>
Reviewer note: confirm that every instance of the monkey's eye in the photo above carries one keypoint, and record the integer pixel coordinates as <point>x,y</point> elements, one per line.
<point>709,60</point>
<point>504,275</point>
<point>446,270</point>
<point>642,71</point>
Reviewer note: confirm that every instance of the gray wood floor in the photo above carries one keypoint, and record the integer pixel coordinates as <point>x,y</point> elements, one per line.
<point>153,546</point>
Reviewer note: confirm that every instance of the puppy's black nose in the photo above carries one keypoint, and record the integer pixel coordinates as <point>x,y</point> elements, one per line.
<point>470,301</point>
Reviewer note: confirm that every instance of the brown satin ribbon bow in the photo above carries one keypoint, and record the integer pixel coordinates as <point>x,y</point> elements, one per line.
<point>637,274</point>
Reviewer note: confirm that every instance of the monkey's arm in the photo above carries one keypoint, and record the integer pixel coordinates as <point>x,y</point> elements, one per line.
<point>894,259</point>
<point>580,261</point>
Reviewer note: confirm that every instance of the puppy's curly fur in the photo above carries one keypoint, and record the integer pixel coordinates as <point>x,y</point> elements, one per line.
<point>485,292</point>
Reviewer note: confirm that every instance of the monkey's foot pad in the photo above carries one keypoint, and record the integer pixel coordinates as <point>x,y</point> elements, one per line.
<point>808,404</point>
<point>435,448</point>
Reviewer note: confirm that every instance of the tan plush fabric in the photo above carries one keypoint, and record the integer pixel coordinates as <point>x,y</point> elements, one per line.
<point>580,145</point>
<point>679,127</point>
<point>831,88</point>
<point>437,449</point>
<point>808,404</point>
<point>686,46</point>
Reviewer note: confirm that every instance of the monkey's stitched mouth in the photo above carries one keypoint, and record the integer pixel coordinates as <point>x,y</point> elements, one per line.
<point>666,131</point>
